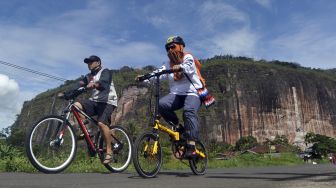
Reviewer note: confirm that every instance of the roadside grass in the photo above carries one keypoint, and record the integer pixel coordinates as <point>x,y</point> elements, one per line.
<point>85,164</point>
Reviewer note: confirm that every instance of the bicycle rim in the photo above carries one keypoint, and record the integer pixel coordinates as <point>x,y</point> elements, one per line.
<point>146,162</point>
<point>45,150</point>
<point>121,148</point>
<point>199,165</point>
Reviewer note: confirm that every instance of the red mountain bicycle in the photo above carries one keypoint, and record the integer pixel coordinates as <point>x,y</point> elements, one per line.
<point>52,144</point>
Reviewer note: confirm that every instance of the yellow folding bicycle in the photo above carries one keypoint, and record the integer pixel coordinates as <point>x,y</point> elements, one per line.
<point>147,156</point>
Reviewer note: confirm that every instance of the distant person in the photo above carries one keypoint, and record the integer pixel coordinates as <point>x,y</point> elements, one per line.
<point>103,100</point>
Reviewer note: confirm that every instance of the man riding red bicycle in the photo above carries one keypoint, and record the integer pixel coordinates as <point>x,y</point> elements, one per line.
<point>102,101</point>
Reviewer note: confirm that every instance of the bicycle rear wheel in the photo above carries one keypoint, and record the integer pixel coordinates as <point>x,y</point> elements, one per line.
<point>199,164</point>
<point>146,161</point>
<point>51,144</point>
<point>121,148</point>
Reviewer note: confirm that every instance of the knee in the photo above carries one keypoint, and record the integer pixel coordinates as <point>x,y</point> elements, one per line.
<point>162,106</point>
<point>189,113</point>
<point>79,105</point>
<point>102,125</point>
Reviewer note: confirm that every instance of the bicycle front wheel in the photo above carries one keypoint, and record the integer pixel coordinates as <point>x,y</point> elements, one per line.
<point>51,144</point>
<point>199,164</point>
<point>121,148</point>
<point>147,156</point>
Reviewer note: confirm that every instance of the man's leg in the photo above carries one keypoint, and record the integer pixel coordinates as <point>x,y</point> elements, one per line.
<point>105,130</point>
<point>104,121</point>
<point>88,107</point>
<point>190,118</point>
<point>168,104</point>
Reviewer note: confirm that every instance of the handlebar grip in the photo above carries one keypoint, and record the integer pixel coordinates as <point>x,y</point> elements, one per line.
<point>72,94</point>
<point>145,77</point>
<point>167,71</point>
<point>142,78</point>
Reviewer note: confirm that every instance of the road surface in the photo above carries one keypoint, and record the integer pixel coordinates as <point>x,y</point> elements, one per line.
<point>293,176</point>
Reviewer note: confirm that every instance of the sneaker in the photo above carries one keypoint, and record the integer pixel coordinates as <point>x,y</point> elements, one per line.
<point>191,152</point>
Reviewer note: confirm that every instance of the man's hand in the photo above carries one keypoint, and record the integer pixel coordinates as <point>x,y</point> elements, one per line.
<point>137,78</point>
<point>91,85</point>
<point>81,83</point>
<point>176,68</point>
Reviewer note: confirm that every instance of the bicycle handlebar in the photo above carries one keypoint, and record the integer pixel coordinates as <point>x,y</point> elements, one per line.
<point>155,74</point>
<point>72,94</point>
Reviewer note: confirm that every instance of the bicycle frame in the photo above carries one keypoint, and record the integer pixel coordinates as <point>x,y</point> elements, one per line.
<point>157,126</point>
<point>72,108</point>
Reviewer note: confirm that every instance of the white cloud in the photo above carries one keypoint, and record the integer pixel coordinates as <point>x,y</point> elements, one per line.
<point>265,3</point>
<point>217,13</point>
<point>136,54</point>
<point>239,43</point>
<point>9,92</point>
<point>157,20</point>
<point>309,45</point>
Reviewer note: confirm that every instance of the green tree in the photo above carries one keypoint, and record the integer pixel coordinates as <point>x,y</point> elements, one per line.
<point>322,145</point>
<point>17,137</point>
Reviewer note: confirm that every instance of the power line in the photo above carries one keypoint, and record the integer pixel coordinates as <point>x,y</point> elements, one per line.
<point>32,71</point>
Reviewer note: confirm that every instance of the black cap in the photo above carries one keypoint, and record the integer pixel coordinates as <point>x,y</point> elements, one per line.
<point>91,59</point>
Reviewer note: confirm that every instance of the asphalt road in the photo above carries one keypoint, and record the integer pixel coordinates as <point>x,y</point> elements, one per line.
<point>294,176</point>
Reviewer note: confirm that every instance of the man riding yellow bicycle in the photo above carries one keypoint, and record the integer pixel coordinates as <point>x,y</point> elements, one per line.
<point>184,81</point>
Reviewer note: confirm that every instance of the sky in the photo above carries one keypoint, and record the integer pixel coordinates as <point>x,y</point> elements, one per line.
<point>54,37</point>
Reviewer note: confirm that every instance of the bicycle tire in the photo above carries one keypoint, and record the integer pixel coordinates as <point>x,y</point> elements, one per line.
<point>122,150</point>
<point>45,153</point>
<point>199,165</point>
<point>140,157</point>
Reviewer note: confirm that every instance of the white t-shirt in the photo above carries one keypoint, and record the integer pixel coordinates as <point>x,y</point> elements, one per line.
<point>183,86</point>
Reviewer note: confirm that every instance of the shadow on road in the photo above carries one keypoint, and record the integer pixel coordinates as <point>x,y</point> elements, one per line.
<point>316,177</point>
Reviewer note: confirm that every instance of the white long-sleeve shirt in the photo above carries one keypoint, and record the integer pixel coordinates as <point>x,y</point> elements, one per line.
<point>183,86</point>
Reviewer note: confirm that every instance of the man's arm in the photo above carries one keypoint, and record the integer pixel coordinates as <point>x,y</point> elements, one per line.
<point>104,81</point>
<point>188,64</point>
<point>83,81</point>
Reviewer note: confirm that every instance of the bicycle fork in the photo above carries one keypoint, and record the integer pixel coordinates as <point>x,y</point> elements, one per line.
<point>154,150</point>
<point>199,153</point>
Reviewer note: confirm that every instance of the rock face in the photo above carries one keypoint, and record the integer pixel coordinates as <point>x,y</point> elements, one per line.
<point>260,99</point>
<point>127,103</point>
<point>267,101</point>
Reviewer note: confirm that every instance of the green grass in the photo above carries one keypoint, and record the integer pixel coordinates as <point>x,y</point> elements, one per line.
<point>252,160</point>
<point>85,164</point>
<point>14,160</point>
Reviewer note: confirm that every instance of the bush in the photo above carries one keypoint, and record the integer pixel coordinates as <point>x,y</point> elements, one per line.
<point>278,140</point>
<point>245,143</point>
<point>215,147</point>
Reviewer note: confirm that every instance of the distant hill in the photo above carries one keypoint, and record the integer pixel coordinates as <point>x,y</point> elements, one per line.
<point>258,98</point>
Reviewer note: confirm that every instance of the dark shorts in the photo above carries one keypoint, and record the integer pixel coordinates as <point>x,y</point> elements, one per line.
<point>103,111</point>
